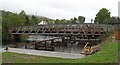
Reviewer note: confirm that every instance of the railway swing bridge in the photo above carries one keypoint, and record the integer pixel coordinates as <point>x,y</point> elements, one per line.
<point>63,34</point>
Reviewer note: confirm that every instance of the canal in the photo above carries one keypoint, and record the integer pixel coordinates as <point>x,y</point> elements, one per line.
<point>70,48</point>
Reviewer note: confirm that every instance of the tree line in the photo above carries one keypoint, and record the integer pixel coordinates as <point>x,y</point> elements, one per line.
<point>10,19</point>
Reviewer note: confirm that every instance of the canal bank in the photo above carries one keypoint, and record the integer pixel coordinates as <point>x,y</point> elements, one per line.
<point>106,55</point>
<point>46,53</point>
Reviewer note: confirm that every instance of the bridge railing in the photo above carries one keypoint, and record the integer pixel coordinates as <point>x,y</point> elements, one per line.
<point>63,28</point>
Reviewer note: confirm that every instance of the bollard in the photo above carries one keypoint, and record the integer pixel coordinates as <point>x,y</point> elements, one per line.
<point>6,48</point>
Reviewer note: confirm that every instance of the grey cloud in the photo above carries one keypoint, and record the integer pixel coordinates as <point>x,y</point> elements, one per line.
<point>60,8</point>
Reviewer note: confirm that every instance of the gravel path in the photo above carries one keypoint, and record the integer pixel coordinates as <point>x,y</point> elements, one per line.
<point>46,53</point>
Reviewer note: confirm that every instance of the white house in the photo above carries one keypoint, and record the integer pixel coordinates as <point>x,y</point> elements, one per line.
<point>42,23</point>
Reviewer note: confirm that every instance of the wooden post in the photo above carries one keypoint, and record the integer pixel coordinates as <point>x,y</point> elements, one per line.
<point>25,46</point>
<point>45,45</point>
<point>52,43</point>
<point>64,41</point>
<point>36,46</point>
<point>6,48</point>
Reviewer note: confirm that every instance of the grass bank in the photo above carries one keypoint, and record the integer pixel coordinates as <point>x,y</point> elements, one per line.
<point>108,54</point>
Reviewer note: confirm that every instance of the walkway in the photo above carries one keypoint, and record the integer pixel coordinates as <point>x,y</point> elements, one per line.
<point>46,53</point>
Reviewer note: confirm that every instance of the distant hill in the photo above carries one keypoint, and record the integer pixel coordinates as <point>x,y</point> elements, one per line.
<point>41,17</point>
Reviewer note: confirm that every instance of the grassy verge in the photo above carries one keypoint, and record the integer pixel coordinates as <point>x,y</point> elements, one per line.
<point>108,54</point>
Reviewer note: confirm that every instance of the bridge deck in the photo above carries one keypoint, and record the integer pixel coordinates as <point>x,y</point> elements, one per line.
<point>61,29</point>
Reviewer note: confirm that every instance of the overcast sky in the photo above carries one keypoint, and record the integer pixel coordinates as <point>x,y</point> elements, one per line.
<point>61,9</point>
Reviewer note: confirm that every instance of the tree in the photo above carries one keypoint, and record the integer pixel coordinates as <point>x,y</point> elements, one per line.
<point>21,17</point>
<point>34,20</point>
<point>63,21</point>
<point>103,16</point>
<point>23,13</point>
<point>57,21</point>
<point>73,20</point>
<point>68,21</point>
<point>81,19</point>
<point>8,20</point>
<point>27,20</point>
<point>114,19</point>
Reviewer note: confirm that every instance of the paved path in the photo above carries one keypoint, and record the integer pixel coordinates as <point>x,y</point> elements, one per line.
<point>46,53</point>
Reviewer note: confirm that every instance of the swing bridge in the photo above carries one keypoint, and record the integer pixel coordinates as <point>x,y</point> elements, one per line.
<point>68,33</point>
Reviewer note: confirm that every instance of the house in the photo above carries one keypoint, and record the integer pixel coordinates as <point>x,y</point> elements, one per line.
<point>42,23</point>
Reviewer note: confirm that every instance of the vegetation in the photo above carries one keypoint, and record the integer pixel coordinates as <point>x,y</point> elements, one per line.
<point>103,16</point>
<point>108,54</point>
<point>81,19</point>
<point>0,28</point>
<point>114,19</point>
<point>10,19</point>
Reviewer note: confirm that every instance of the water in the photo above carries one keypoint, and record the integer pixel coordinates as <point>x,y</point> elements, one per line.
<point>71,48</point>
<point>39,38</point>
<point>0,49</point>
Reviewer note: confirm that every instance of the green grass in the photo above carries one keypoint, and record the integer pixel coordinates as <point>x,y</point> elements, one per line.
<point>108,54</point>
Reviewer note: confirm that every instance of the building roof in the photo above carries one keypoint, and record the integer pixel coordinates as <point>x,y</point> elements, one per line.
<point>42,23</point>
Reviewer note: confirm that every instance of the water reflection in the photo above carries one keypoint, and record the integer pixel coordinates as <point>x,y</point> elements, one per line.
<point>70,48</point>
<point>39,38</point>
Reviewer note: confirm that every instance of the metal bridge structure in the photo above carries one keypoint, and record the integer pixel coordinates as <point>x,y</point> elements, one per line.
<point>69,33</point>
<point>79,31</point>
<point>60,29</point>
